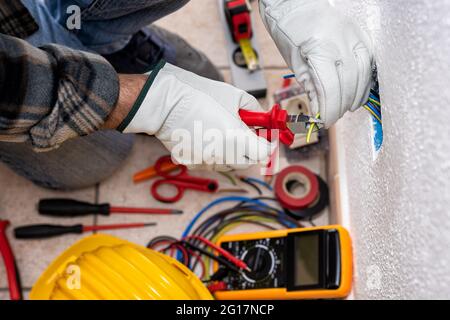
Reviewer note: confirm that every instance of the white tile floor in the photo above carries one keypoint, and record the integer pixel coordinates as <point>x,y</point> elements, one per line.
<point>199,23</point>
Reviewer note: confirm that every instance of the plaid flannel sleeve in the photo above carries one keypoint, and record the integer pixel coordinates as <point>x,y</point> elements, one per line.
<point>53,93</point>
<point>16,20</point>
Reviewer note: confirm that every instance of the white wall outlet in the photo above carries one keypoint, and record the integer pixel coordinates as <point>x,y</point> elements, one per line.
<point>300,105</point>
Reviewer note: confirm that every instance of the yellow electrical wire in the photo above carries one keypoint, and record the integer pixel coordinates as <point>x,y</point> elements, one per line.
<point>311,129</point>
<point>229,177</point>
<point>373,113</point>
<point>375,102</point>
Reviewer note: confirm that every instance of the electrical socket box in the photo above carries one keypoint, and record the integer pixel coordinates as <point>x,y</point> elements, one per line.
<point>299,104</point>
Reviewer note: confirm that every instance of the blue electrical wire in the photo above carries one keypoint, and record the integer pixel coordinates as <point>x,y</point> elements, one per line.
<point>260,182</point>
<point>374,96</point>
<point>374,109</point>
<point>222,200</point>
<point>219,201</point>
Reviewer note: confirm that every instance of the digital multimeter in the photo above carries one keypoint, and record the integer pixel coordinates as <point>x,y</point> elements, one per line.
<point>308,263</point>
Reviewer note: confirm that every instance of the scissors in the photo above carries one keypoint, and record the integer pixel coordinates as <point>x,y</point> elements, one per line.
<point>182,181</point>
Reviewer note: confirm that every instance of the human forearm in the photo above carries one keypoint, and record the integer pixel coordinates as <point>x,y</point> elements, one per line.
<point>130,87</point>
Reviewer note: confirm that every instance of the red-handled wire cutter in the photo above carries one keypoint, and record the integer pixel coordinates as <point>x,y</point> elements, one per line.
<point>275,119</point>
<point>182,181</point>
<point>15,291</point>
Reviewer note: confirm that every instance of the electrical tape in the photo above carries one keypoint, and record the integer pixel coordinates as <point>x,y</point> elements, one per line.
<point>292,177</point>
<point>316,208</point>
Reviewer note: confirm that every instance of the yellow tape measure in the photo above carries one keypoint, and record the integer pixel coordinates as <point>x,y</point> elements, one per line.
<point>249,54</point>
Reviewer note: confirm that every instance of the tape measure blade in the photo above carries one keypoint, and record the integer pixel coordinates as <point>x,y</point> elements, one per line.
<point>249,54</point>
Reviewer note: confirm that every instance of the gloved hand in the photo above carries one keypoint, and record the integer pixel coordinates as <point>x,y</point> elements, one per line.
<point>180,106</point>
<point>327,51</point>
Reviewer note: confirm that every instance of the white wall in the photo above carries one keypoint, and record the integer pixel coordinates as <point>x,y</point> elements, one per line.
<point>399,204</point>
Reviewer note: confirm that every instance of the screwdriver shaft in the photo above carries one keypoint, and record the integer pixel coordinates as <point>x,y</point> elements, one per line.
<point>117,226</point>
<point>125,210</point>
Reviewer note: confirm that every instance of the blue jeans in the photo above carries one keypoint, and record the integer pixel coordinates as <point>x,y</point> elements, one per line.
<point>106,27</point>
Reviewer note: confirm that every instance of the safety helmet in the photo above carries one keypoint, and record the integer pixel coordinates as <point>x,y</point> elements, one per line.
<point>102,267</point>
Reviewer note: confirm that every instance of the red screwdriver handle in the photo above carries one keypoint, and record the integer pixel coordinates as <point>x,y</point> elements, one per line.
<point>274,119</point>
<point>11,269</point>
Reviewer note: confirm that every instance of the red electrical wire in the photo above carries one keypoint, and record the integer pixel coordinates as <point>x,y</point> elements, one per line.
<point>236,261</point>
<point>179,247</point>
<point>11,268</point>
<point>199,259</point>
<point>160,243</point>
<point>218,286</point>
<point>184,252</point>
<point>170,245</point>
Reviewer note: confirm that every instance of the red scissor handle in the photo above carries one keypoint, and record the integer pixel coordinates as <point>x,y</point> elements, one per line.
<point>275,119</point>
<point>181,185</point>
<point>11,270</point>
<point>167,160</point>
<point>181,180</point>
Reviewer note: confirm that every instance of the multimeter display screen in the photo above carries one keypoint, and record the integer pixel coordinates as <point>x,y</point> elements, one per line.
<point>307,261</point>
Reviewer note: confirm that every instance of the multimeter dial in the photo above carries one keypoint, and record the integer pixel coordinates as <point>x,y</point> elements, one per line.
<point>261,261</point>
<point>265,259</point>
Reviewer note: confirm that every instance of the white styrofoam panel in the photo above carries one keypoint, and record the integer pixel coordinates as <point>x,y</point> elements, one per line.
<point>399,203</point>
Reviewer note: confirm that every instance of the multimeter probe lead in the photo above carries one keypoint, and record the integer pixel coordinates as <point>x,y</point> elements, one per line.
<point>197,248</point>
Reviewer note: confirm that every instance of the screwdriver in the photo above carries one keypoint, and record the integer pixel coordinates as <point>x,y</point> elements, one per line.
<point>43,231</point>
<point>72,208</point>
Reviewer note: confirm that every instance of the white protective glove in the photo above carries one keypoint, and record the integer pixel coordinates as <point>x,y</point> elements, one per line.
<point>326,50</point>
<point>175,102</point>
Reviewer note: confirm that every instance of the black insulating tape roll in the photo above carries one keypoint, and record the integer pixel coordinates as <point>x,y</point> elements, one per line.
<point>322,202</point>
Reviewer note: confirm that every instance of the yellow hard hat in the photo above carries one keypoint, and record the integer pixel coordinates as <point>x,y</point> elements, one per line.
<point>103,267</point>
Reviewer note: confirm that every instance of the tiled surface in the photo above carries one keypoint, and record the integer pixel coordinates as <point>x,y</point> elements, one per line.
<point>199,23</point>
<point>4,295</point>
<point>121,190</point>
<point>18,200</point>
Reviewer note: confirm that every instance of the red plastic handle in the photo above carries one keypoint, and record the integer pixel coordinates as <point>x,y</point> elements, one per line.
<point>11,270</point>
<point>181,185</point>
<point>274,119</point>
